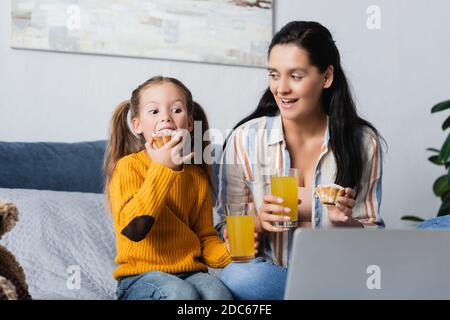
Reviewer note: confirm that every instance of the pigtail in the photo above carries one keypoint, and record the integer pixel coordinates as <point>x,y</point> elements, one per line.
<point>121,140</point>
<point>199,114</point>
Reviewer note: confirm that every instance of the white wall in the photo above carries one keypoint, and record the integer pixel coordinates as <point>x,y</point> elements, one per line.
<point>70,97</point>
<point>397,72</point>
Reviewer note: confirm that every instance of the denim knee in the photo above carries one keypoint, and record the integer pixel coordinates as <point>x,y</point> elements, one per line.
<point>255,280</point>
<point>209,287</point>
<point>155,285</point>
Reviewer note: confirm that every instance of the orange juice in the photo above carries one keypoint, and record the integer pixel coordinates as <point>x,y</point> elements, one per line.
<point>241,237</point>
<point>286,187</point>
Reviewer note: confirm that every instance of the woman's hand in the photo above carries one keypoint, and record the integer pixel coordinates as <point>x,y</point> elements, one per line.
<point>225,238</point>
<point>170,154</point>
<point>271,211</point>
<point>341,213</point>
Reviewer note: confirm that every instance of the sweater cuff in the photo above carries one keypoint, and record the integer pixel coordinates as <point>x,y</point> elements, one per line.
<point>220,258</point>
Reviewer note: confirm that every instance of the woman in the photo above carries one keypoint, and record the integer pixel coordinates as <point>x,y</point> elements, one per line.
<point>307,120</point>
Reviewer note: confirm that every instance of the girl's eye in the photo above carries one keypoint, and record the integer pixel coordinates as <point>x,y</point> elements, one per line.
<point>273,76</point>
<point>153,111</point>
<point>176,110</point>
<point>296,77</point>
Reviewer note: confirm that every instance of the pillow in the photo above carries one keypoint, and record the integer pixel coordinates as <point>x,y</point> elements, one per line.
<point>65,243</point>
<point>52,166</point>
<point>442,222</point>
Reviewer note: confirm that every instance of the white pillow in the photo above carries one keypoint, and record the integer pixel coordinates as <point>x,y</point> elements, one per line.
<point>65,243</point>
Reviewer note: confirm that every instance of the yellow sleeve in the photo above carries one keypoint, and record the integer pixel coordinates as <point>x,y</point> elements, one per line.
<point>214,250</point>
<point>134,192</point>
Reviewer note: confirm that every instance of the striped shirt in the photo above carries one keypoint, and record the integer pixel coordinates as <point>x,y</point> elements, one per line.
<point>257,148</point>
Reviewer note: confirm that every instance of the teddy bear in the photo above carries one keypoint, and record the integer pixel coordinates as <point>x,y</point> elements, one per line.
<point>12,278</point>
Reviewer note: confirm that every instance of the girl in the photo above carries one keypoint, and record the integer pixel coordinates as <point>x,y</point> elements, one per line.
<point>162,208</point>
<point>307,120</point>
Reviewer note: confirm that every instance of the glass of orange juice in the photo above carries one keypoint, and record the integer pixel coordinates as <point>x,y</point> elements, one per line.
<point>285,186</point>
<point>241,231</point>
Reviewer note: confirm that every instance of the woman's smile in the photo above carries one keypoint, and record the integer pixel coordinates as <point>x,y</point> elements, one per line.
<point>288,103</point>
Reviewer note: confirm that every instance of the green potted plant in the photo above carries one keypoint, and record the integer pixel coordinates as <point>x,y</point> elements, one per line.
<point>441,187</point>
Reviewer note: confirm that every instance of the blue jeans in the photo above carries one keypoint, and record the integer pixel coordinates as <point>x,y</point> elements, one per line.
<point>255,280</point>
<point>442,222</point>
<point>157,285</point>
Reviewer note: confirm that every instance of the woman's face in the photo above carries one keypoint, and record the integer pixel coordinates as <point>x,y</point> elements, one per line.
<point>294,82</point>
<point>161,106</point>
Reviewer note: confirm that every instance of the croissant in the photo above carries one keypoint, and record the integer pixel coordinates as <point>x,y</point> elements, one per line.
<point>160,138</point>
<point>328,194</point>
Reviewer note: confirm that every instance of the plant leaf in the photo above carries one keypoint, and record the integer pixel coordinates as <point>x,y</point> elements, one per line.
<point>434,150</point>
<point>446,123</point>
<point>443,213</point>
<point>441,106</point>
<point>445,150</point>
<point>445,206</point>
<point>436,160</point>
<point>448,178</point>
<point>412,218</point>
<point>441,186</point>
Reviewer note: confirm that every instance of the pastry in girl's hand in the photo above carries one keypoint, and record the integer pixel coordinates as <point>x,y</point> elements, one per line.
<point>160,138</point>
<point>328,194</point>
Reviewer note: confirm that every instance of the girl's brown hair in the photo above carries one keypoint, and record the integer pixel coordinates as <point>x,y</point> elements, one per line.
<point>122,141</point>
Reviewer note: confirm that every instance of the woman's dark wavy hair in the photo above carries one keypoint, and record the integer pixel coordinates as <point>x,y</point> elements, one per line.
<point>345,126</point>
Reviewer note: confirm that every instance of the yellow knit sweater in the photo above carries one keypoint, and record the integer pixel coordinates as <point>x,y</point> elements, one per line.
<point>182,237</point>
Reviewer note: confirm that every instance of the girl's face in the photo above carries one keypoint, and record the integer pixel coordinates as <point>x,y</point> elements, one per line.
<point>295,83</point>
<point>161,106</point>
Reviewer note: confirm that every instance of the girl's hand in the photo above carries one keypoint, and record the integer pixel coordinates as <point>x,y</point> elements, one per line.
<point>170,154</point>
<point>227,243</point>
<point>341,213</point>
<point>266,216</point>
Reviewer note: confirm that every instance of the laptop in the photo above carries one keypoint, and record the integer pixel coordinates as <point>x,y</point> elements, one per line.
<point>369,264</point>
